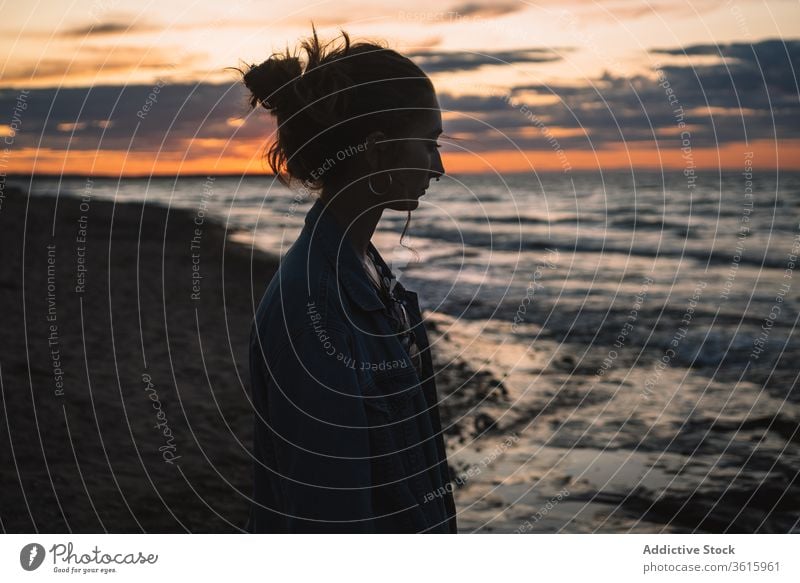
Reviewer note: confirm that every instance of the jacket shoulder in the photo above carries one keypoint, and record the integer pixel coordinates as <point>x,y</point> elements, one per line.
<point>302,296</point>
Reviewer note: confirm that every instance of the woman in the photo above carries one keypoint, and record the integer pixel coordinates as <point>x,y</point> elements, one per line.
<point>347,430</point>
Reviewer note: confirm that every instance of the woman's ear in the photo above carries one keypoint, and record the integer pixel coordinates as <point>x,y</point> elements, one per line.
<point>377,150</point>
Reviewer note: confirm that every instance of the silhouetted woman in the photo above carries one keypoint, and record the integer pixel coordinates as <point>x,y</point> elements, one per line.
<point>347,430</point>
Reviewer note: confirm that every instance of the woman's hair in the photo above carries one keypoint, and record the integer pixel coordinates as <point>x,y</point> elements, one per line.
<point>326,107</point>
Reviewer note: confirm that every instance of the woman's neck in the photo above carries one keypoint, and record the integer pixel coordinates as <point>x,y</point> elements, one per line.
<point>358,224</point>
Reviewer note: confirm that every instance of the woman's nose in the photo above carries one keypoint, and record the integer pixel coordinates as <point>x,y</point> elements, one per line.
<point>438,167</point>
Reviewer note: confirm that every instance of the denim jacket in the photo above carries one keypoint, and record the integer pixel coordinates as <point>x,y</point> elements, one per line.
<point>347,434</point>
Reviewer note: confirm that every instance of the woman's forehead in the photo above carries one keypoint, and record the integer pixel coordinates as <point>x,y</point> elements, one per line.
<point>427,123</point>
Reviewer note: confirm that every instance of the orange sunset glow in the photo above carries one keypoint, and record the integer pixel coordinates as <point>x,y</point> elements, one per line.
<point>114,162</point>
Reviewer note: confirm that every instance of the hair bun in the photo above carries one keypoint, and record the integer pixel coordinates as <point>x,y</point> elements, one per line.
<point>270,82</point>
<point>328,96</point>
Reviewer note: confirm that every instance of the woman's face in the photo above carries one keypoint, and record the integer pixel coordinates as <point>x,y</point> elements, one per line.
<point>417,160</point>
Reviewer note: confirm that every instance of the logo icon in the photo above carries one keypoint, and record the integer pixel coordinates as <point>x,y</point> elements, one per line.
<point>31,556</point>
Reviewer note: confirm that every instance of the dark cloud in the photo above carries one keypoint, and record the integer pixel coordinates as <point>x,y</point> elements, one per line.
<point>753,97</point>
<point>116,118</point>
<point>770,62</point>
<point>617,11</point>
<point>766,49</point>
<point>439,61</point>
<point>486,9</point>
<point>106,29</point>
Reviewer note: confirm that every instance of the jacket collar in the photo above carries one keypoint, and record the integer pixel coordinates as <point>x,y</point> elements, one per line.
<point>322,226</point>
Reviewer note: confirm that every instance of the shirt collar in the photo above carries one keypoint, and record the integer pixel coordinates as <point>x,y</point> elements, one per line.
<point>321,224</point>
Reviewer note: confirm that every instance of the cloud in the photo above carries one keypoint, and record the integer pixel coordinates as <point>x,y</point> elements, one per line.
<point>108,28</point>
<point>767,49</point>
<point>486,9</point>
<point>578,9</point>
<point>750,66</point>
<point>142,117</point>
<point>762,75</point>
<point>753,97</point>
<point>93,61</point>
<point>621,11</point>
<point>440,61</point>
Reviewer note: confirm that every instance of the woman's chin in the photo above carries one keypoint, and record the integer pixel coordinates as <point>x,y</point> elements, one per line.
<point>405,204</point>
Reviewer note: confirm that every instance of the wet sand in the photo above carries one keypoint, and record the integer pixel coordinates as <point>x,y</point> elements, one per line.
<point>553,447</point>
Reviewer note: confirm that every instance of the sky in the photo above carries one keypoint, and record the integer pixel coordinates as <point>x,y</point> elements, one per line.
<point>116,87</point>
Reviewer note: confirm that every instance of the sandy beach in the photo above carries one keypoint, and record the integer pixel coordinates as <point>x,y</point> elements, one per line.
<point>124,375</point>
